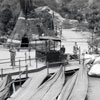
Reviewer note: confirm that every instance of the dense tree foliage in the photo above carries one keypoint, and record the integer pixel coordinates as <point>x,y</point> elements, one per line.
<point>6,14</point>
<point>93,18</point>
<point>74,9</point>
<point>5,17</point>
<point>10,11</point>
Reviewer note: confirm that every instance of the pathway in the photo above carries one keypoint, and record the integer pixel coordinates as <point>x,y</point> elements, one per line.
<point>69,37</point>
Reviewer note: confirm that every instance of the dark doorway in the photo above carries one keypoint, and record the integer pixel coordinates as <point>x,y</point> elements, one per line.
<point>25,41</point>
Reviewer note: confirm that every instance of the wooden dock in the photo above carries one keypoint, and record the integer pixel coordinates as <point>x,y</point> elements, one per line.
<point>27,64</point>
<point>27,71</point>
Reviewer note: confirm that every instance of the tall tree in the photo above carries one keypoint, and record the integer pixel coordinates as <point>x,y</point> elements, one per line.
<point>6,14</point>
<point>26,6</point>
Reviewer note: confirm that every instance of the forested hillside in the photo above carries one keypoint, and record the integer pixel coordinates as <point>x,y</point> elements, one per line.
<point>74,9</point>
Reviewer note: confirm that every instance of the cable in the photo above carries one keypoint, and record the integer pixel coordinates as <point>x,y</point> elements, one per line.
<point>14,79</point>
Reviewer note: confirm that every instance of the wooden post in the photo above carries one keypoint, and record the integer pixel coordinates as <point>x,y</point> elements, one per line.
<point>49,45</point>
<point>36,63</point>
<point>47,64</point>
<point>46,46</point>
<point>13,85</point>
<point>92,42</point>
<point>79,55</point>
<point>2,73</point>
<point>30,60</point>
<point>36,52</point>
<point>54,45</point>
<point>60,35</point>
<point>35,44</point>
<point>26,71</point>
<point>55,29</point>
<point>63,67</point>
<point>83,59</point>
<point>60,31</point>
<point>53,21</point>
<point>42,46</point>
<point>19,66</point>
<point>83,62</point>
<point>20,73</point>
<point>60,45</point>
<point>25,57</point>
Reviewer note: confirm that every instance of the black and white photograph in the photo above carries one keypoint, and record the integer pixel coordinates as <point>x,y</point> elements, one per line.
<point>49,49</point>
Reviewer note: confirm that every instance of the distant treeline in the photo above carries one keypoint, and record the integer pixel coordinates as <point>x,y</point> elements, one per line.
<point>74,9</point>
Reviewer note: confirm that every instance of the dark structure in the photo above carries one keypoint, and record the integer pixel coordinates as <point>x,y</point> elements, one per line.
<point>48,52</point>
<point>25,41</point>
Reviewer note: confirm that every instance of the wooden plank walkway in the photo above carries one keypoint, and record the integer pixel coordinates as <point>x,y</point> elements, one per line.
<point>28,72</point>
<point>33,65</point>
<point>38,75</point>
<point>33,84</point>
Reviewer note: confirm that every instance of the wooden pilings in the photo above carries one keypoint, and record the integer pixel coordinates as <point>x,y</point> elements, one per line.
<point>20,72</point>
<point>26,71</point>
<point>47,64</point>
<point>79,55</point>
<point>36,63</point>
<point>2,73</point>
<point>25,57</point>
<point>13,86</point>
<point>30,60</point>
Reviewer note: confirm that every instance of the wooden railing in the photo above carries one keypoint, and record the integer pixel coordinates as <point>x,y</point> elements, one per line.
<point>20,68</point>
